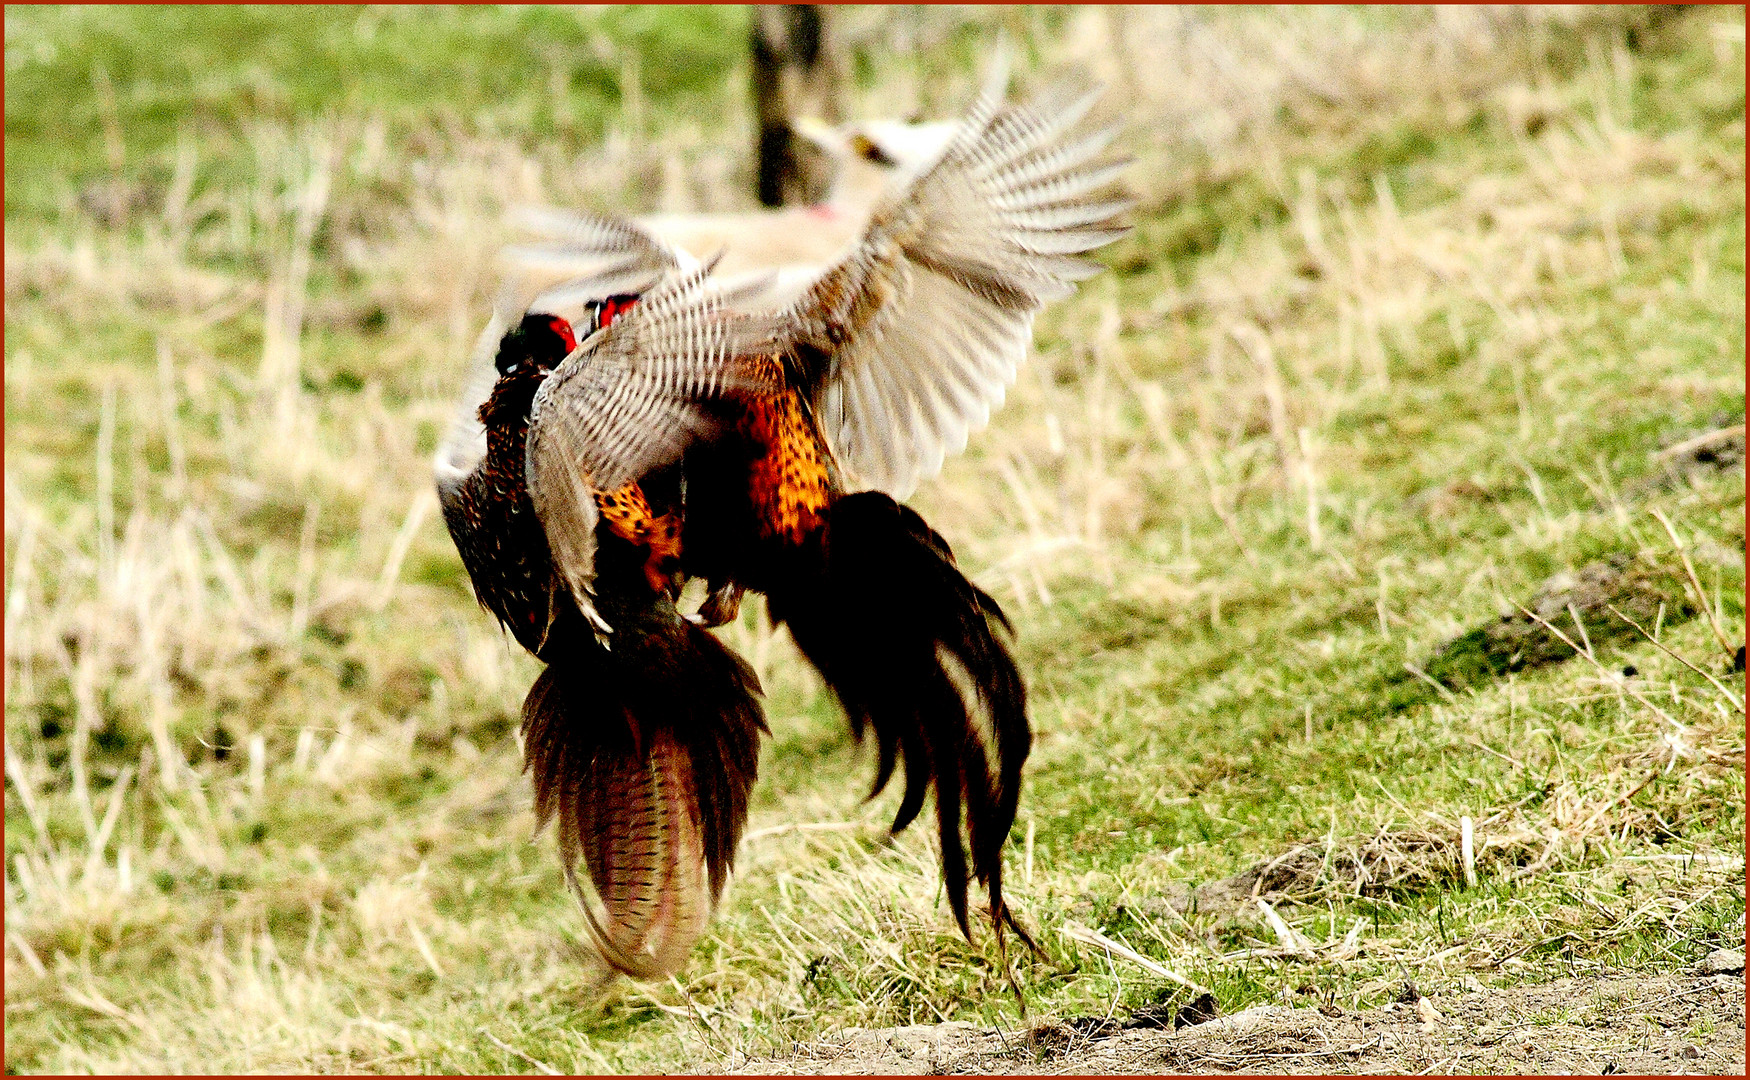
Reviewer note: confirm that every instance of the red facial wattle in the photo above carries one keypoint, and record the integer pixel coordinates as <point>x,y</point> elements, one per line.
<point>563,329</point>
<point>614,307</point>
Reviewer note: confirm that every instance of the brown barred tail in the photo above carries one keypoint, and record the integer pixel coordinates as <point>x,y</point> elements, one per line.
<point>645,756</point>
<point>915,651</point>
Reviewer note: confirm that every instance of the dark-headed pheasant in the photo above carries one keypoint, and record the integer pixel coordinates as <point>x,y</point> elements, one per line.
<point>763,448</point>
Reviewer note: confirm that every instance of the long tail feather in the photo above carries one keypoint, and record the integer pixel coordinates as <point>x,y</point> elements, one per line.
<point>915,651</point>
<point>644,757</point>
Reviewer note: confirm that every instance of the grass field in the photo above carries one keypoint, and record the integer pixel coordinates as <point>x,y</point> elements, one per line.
<point>1430,318</point>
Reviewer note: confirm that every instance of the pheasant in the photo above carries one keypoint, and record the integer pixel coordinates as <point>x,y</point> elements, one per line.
<point>795,428</point>
<point>644,753</point>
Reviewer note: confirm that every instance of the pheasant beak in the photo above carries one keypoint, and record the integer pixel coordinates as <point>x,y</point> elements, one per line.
<point>822,134</point>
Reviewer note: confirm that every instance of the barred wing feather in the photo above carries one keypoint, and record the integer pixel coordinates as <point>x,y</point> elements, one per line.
<point>906,345</point>
<point>571,238</point>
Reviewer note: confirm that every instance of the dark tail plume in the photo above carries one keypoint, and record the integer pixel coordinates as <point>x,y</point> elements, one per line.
<point>645,755</point>
<point>912,649</point>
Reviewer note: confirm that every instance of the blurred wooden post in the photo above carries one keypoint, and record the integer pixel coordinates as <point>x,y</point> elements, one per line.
<point>795,73</point>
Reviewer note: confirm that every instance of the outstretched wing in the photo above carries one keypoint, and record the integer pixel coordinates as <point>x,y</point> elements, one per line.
<point>908,344</point>
<point>631,399</point>
<point>577,244</point>
<point>465,442</point>
<point>584,257</point>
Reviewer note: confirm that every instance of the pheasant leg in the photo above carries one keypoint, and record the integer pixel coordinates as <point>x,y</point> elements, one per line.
<point>721,606</point>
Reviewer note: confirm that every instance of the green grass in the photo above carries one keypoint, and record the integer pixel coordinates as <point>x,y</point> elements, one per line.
<point>535,76</point>
<point>1441,297</point>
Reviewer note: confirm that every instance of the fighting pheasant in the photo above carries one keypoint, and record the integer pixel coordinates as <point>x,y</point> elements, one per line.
<point>772,445</point>
<point>644,753</point>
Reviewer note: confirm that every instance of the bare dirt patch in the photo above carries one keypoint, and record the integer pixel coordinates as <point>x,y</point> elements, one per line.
<point>1669,1024</point>
<point>1590,598</point>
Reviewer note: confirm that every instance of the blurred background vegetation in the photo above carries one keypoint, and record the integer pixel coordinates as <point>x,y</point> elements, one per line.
<point>1429,314</point>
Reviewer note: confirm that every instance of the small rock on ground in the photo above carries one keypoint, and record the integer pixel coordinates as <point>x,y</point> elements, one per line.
<point>1722,962</point>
